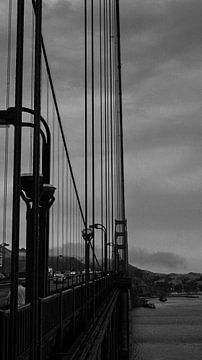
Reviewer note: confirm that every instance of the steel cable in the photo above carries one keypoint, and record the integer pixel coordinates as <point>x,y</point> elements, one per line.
<point>6,144</point>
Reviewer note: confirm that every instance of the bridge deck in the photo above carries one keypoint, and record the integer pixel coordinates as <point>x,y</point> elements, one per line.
<point>62,316</point>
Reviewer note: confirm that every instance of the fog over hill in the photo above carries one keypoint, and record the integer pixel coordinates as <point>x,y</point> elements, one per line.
<point>171,282</point>
<point>143,273</point>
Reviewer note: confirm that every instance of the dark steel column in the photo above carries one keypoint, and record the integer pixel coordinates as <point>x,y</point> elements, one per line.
<point>36,181</point>
<point>87,259</point>
<point>43,256</point>
<point>3,250</point>
<point>29,252</point>
<point>46,202</point>
<point>105,252</point>
<point>16,179</point>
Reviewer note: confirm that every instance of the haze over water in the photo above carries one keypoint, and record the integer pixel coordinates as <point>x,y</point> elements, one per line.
<point>172,331</point>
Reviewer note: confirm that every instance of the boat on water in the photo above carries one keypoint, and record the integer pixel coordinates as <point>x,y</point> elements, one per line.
<point>144,303</point>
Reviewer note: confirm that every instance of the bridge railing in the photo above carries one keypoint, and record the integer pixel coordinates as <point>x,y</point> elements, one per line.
<point>23,340</point>
<point>61,316</point>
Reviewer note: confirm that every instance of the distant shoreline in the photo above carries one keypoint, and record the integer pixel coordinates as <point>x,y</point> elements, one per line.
<point>193,295</point>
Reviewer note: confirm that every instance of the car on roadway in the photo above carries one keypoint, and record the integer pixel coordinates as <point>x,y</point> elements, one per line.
<point>73,272</point>
<point>67,274</point>
<point>58,277</point>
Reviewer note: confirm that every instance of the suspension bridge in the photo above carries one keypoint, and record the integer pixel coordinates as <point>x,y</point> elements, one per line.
<point>63,223</point>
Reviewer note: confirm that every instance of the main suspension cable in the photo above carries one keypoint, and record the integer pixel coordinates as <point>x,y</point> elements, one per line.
<point>59,119</point>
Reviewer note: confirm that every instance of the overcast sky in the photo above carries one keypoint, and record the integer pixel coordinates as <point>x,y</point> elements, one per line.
<point>161,78</point>
<point>161,70</point>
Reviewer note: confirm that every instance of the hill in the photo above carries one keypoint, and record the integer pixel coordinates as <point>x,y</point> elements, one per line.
<point>146,282</point>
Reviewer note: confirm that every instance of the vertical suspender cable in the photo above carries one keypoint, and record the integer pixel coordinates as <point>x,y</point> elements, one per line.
<point>108,143</point>
<point>111,122</point>
<point>32,91</point>
<point>47,100</point>
<point>7,131</point>
<point>114,113</point>
<point>86,135</point>
<point>58,189</point>
<point>70,223</point>
<point>73,227</point>
<point>81,245</point>
<point>16,178</point>
<point>53,177</point>
<point>120,109</point>
<point>75,234</point>
<point>86,113</point>
<point>48,217</point>
<point>93,127</point>
<point>36,180</point>
<point>105,116</point>
<point>79,238</point>
<point>101,127</point>
<point>117,124</point>
<point>58,199</point>
<point>76,229</point>
<point>117,132</point>
<point>63,168</point>
<point>114,108</point>
<point>9,53</point>
<point>66,220</point>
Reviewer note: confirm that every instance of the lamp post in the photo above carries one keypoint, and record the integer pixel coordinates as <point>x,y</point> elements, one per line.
<point>8,117</point>
<point>58,257</point>
<point>103,228</point>
<point>113,254</point>
<point>3,250</point>
<point>87,234</point>
<point>45,202</point>
<point>46,199</point>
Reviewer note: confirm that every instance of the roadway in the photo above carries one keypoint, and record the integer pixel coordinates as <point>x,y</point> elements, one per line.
<point>52,286</point>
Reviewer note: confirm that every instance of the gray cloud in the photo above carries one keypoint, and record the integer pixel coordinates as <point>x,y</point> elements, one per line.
<point>166,261</point>
<point>161,71</point>
<point>156,32</point>
<point>161,67</point>
<point>164,203</point>
<point>64,39</point>
<point>167,132</point>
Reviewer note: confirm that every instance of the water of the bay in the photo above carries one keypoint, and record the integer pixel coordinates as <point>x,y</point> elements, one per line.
<point>172,331</point>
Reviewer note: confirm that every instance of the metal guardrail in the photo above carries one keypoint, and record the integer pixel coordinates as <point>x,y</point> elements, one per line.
<point>23,340</point>
<point>23,331</point>
<point>4,333</point>
<point>60,314</point>
<point>101,339</point>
